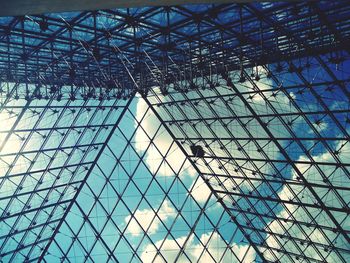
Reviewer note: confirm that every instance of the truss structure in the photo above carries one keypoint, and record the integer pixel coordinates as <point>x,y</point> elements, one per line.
<point>192,133</point>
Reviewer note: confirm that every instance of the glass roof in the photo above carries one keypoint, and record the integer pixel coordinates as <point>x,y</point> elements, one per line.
<point>194,133</point>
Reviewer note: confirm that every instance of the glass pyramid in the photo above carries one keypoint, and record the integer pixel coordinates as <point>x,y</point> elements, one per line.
<point>190,133</point>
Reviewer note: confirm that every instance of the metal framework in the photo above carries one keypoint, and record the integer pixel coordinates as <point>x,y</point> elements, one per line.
<point>190,133</point>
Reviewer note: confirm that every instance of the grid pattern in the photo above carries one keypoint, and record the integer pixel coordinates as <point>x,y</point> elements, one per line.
<point>148,206</point>
<point>47,150</point>
<point>272,159</point>
<point>195,133</point>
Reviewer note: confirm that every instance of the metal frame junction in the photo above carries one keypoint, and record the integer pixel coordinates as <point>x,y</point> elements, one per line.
<point>255,97</point>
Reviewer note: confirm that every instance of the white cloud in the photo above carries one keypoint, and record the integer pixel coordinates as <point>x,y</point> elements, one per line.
<point>211,249</point>
<point>262,84</point>
<point>216,249</point>
<point>200,191</point>
<point>169,251</point>
<point>162,141</point>
<point>142,219</point>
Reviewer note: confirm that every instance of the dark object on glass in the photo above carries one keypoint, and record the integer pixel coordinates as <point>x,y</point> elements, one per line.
<point>197,151</point>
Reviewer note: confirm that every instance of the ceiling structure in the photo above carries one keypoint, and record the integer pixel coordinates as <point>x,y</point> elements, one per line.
<point>30,7</point>
<point>207,132</point>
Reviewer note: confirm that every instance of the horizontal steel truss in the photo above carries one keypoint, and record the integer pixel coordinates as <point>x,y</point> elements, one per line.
<point>111,52</point>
